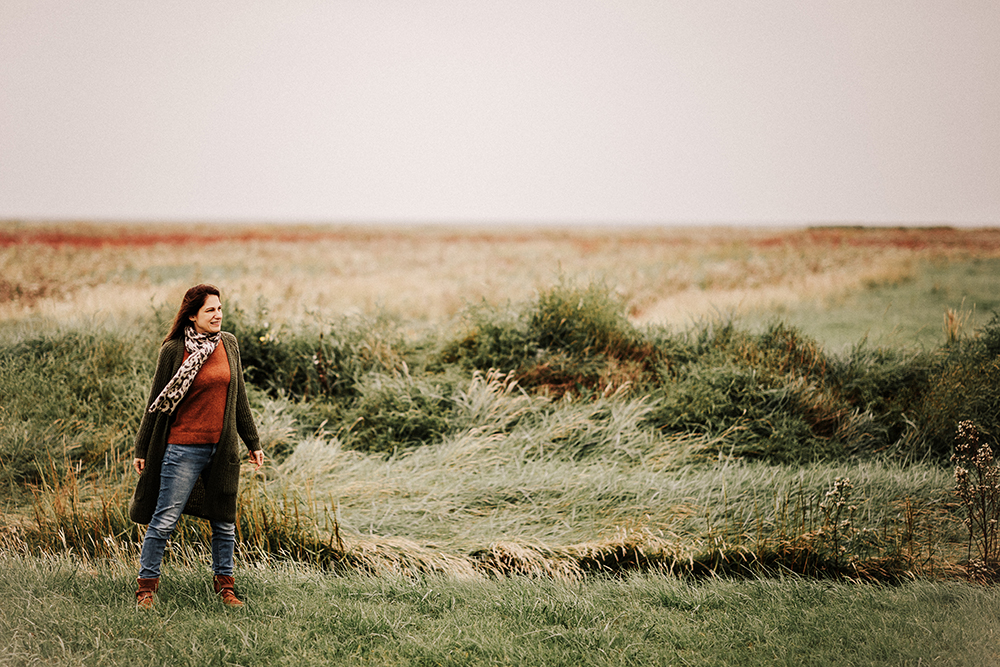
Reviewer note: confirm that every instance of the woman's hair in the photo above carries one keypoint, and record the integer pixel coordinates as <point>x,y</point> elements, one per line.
<point>193,300</point>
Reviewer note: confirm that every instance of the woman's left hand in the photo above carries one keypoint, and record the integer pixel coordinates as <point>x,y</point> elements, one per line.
<point>257,458</point>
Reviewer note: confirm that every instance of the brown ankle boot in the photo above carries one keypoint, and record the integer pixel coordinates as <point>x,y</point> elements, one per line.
<point>224,587</point>
<point>144,595</point>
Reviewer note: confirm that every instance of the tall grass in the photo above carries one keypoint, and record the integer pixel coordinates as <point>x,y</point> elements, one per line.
<point>512,430</point>
<point>540,519</point>
<point>70,394</point>
<point>585,478</point>
<point>567,338</point>
<point>547,434</point>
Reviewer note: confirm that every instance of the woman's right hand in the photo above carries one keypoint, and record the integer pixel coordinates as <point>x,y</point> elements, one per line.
<point>139,465</point>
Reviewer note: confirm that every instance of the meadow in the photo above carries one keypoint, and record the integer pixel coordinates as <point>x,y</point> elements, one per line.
<point>516,446</point>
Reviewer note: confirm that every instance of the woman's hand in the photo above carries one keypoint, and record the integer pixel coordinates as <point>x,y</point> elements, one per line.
<point>257,458</point>
<point>139,465</point>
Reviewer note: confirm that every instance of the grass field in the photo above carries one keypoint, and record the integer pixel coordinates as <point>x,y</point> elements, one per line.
<point>514,446</point>
<point>57,612</point>
<point>893,282</point>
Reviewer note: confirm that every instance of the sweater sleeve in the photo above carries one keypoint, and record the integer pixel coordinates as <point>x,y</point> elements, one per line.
<point>245,425</point>
<point>164,371</point>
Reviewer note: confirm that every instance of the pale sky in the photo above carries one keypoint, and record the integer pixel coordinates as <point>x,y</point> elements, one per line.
<point>537,111</point>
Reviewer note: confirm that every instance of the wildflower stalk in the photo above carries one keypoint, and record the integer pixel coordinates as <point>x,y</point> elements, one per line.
<point>977,485</point>
<point>836,528</point>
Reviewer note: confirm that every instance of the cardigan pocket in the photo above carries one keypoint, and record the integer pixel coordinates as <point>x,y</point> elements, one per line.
<point>229,480</point>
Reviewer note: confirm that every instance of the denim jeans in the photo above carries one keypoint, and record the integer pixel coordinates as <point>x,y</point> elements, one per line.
<point>182,464</point>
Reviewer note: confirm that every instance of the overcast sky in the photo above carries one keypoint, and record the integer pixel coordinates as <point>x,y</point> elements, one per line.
<point>568,111</point>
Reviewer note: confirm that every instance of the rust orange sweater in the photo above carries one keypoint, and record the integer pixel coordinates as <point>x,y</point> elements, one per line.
<point>198,418</point>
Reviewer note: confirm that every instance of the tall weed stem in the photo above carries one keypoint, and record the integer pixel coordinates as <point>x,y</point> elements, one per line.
<point>977,485</point>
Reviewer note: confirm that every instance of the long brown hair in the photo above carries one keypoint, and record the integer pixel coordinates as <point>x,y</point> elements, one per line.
<point>192,302</point>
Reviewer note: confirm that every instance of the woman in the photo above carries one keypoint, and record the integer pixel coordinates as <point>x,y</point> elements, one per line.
<point>186,452</point>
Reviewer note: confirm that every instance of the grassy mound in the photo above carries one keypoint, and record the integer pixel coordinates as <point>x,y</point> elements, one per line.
<point>775,396</point>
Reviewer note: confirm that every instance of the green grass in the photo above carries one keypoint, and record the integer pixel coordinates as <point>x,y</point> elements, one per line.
<point>57,612</point>
<point>596,447</point>
<point>905,314</point>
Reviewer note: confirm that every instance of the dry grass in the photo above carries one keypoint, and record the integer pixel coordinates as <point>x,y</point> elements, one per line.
<point>674,276</point>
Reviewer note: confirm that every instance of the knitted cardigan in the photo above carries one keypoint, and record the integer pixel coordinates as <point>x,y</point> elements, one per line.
<point>214,495</point>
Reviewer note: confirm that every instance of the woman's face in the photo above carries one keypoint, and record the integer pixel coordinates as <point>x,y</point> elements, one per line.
<point>209,317</point>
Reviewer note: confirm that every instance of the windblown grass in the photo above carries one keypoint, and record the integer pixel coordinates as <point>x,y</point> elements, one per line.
<point>432,466</point>
<point>488,405</point>
<point>486,513</point>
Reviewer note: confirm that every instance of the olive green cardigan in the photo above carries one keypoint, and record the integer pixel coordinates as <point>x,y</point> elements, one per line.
<point>214,496</point>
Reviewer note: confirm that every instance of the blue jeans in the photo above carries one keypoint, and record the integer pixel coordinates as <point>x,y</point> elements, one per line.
<point>182,464</point>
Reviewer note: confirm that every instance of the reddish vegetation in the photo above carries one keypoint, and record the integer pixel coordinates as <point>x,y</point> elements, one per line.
<point>910,238</point>
<point>97,237</point>
<point>585,239</point>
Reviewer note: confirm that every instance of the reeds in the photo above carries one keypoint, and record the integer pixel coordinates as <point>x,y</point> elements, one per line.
<point>956,322</point>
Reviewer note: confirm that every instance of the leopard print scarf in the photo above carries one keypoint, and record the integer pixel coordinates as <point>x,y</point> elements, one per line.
<point>199,347</point>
